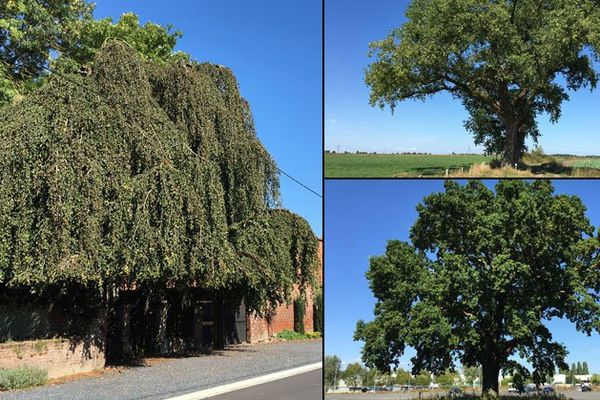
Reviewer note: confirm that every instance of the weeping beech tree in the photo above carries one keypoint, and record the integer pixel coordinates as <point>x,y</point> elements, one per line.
<point>145,175</point>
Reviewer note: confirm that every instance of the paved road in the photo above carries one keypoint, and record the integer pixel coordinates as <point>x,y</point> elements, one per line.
<point>307,386</point>
<point>415,395</point>
<point>181,376</point>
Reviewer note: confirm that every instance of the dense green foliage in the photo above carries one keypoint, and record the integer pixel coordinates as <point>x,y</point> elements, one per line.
<point>147,174</point>
<point>447,379</point>
<point>483,272</point>
<point>22,377</point>
<point>353,374</point>
<point>500,58</point>
<point>29,31</point>
<point>471,374</point>
<point>153,42</point>
<point>331,371</point>
<point>63,34</point>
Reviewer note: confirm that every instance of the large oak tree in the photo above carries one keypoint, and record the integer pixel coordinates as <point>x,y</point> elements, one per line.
<point>507,61</point>
<point>483,273</point>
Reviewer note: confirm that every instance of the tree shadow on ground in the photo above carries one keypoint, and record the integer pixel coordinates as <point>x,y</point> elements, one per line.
<point>552,167</point>
<point>150,360</point>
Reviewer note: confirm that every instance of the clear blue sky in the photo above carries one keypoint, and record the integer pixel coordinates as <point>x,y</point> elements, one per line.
<point>362,215</point>
<point>435,125</point>
<point>274,49</point>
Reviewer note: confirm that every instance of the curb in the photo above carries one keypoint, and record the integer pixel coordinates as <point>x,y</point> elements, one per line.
<point>215,391</point>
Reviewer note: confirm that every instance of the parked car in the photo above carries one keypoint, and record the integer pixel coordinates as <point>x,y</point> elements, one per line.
<point>512,390</point>
<point>454,391</point>
<point>548,390</point>
<point>586,387</point>
<point>530,388</point>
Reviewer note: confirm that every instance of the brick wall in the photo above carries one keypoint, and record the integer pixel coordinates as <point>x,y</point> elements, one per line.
<point>60,357</point>
<point>258,329</point>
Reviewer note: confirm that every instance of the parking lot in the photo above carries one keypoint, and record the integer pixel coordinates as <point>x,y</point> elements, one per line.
<point>415,395</point>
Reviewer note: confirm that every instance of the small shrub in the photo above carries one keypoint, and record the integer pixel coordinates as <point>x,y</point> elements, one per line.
<point>290,335</point>
<point>495,163</point>
<point>313,335</point>
<point>538,151</point>
<point>18,350</point>
<point>22,377</point>
<point>40,346</point>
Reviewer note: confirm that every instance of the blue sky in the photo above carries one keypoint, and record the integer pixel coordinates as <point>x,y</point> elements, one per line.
<point>435,125</point>
<point>274,49</point>
<point>362,215</point>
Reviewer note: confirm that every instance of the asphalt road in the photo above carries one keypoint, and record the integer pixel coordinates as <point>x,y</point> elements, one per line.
<point>415,395</point>
<point>306,386</point>
<point>180,376</point>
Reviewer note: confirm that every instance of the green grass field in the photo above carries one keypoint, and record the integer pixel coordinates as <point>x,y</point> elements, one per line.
<point>460,165</point>
<point>393,165</point>
<point>586,163</point>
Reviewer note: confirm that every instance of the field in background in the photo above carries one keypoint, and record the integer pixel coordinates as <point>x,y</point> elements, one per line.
<point>346,165</point>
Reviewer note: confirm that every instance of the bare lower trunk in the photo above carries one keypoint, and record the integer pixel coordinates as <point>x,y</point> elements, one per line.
<point>161,313</point>
<point>512,150</point>
<point>125,332</point>
<point>490,372</point>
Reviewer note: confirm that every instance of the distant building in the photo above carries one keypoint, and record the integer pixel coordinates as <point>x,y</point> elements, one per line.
<point>562,378</point>
<point>341,387</point>
<point>584,378</point>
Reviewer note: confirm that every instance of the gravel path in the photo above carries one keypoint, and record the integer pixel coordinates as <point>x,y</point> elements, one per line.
<point>180,376</point>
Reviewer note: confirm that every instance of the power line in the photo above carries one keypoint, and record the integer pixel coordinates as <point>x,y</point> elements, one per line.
<point>198,155</point>
<point>298,182</point>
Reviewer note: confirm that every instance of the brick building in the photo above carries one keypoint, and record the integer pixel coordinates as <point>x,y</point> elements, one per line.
<point>49,338</point>
<point>259,329</point>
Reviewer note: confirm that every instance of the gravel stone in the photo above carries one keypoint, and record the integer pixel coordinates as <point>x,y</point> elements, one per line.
<point>184,375</point>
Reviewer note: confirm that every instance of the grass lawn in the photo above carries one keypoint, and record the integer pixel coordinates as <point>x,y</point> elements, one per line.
<point>393,165</point>
<point>460,165</point>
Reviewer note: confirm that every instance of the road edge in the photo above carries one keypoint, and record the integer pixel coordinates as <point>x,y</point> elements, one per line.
<point>246,383</point>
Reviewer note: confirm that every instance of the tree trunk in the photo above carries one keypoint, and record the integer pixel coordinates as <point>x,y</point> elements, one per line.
<point>160,334</point>
<point>490,372</point>
<point>514,144</point>
<point>125,331</point>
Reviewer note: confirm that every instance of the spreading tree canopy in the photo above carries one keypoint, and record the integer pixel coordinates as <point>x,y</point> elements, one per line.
<point>63,34</point>
<point>145,173</point>
<point>483,272</point>
<point>507,61</point>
